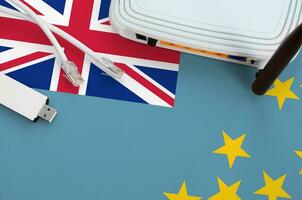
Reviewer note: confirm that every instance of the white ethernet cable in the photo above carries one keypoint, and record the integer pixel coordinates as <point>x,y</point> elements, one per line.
<point>24,100</point>
<point>32,104</point>
<point>103,63</point>
<point>69,67</point>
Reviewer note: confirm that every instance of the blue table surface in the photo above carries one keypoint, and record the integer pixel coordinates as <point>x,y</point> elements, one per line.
<point>106,149</point>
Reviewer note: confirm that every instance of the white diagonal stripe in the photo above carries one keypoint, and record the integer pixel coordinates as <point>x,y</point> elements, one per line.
<point>152,81</point>
<point>27,46</point>
<point>13,54</point>
<point>27,64</point>
<point>141,91</point>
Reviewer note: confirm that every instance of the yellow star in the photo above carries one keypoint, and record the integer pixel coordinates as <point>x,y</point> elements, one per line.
<point>273,188</point>
<point>226,192</point>
<point>182,194</point>
<point>299,153</point>
<point>282,91</point>
<point>232,148</point>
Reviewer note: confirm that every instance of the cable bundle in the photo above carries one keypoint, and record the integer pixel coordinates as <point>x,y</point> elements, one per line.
<point>69,67</point>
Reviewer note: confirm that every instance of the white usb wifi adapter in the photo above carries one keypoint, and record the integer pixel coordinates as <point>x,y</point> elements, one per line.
<point>24,100</point>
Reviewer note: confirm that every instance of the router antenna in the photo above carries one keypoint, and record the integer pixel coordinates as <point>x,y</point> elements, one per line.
<point>278,62</point>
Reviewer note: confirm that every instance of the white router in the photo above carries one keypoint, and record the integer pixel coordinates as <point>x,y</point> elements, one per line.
<point>266,34</point>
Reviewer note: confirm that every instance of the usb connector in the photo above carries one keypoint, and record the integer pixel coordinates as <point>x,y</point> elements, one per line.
<point>47,113</point>
<point>24,100</point>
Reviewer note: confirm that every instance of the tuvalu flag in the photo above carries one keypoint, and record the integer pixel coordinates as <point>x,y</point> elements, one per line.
<point>221,142</point>
<point>27,56</point>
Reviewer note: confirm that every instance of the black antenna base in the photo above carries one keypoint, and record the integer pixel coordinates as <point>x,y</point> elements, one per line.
<point>278,62</point>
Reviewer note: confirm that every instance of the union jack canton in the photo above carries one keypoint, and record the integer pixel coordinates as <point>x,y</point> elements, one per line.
<point>27,55</point>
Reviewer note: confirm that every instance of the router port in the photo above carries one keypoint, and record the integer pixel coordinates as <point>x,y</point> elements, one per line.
<point>141,37</point>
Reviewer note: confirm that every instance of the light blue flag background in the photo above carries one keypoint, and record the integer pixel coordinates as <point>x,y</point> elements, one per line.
<point>104,149</point>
